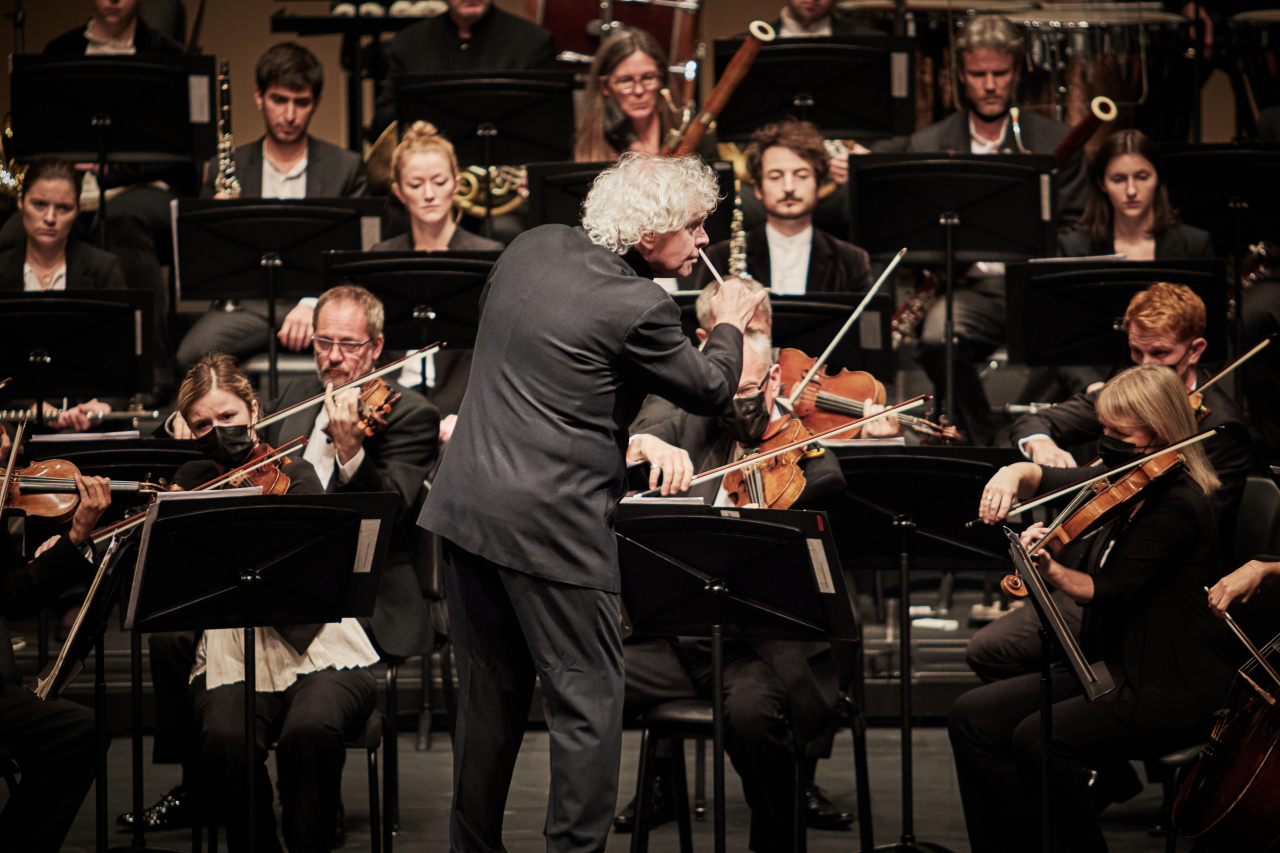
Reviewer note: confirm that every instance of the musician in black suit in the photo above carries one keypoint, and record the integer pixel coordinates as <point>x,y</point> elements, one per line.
<point>286,163</point>
<point>788,163</point>
<point>1142,584</point>
<point>779,696</point>
<point>348,341</point>
<point>52,742</point>
<point>991,51</point>
<point>1165,324</point>
<point>574,333</point>
<point>473,35</point>
<point>809,18</point>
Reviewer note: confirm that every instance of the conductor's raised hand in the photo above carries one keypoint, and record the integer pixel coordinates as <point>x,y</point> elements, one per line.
<point>668,464</point>
<point>734,304</point>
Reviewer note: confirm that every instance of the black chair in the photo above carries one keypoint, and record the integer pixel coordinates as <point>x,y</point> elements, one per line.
<point>368,740</point>
<point>1170,771</point>
<point>678,721</point>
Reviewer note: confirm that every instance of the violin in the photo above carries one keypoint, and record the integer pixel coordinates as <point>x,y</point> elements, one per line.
<point>828,401</point>
<point>775,482</point>
<point>1228,798</point>
<point>1108,502</point>
<point>376,397</point>
<point>47,489</point>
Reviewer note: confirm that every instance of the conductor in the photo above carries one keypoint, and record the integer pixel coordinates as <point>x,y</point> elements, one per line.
<point>573,334</point>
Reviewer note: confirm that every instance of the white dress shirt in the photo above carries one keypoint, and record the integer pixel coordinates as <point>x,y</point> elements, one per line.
<point>791,28</point>
<point>31,280</point>
<point>339,645</point>
<point>101,45</point>
<point>788,260</point>
<point>278,184</point>
<point>323,454</point>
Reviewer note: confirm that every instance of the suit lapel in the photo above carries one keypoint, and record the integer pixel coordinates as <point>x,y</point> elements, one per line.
<point>315,170</point>
<point>817,278</point>
<point>250,170</point>
<point>716,455</point>
<point>758,255</point>
<point>77,269</point>
<point>11,274</point>
<point>300,423</point>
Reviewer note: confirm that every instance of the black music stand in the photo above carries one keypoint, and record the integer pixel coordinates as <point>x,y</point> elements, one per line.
<point>76,343</point>
<point>497,118</point>
<point>906,508</point>
<point>151,109</point>
<point>1086,300</point>
<point>698,571</point>
<point>998,208</point>
<point>257,561</point>
<point>849,86</point>
<point>810,322</point>
<point>558,190</point>
<point>256,248</point>
<point>1095,680</point>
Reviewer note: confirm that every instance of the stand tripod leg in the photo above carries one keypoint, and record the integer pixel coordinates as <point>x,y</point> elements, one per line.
<point>949,221</point>
<point>100,728</point>
<point>717,710</point>
<point>904,682</point>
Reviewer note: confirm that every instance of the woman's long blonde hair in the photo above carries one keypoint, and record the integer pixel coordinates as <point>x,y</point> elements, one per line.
<point>1153,396</point>
<point>604,131</point>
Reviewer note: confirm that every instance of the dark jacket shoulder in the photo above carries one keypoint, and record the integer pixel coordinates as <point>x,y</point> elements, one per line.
<point>88,268</point>
<point>146,39</point>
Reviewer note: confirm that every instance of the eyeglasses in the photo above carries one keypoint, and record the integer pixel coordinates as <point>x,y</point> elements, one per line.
<point>627,85</point>
<point>325,345</point>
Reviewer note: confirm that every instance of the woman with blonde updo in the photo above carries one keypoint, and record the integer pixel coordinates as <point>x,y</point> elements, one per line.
<point>424,173</point>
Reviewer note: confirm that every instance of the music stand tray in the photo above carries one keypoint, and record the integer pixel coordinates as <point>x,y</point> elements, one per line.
<point>426,297</point>
<point>76,343</point>
<point>700,571</point>
<point>1086,299</point>
<point>265,248</point>
<point>849,86</point>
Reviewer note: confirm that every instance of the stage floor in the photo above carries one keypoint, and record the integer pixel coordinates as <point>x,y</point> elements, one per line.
<point>425,784</point>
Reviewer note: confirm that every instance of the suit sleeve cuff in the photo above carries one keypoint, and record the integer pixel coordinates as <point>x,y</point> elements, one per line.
<point>1022,443</point>
<point>347,471</point>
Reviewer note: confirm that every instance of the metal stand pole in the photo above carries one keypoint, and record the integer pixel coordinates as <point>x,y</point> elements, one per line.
<point>1046,737</point>
<point>949,221</point>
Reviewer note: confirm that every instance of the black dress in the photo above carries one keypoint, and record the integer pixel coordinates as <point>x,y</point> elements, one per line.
<point>1170,659</point>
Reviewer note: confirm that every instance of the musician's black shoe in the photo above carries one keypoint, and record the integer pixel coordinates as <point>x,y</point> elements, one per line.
<point>1114,783</point>
<point>662,809</point>
<point>821,813</point>
<point>175,810</point>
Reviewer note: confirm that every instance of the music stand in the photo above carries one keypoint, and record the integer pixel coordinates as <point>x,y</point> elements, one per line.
<point>113,109</point>
<point>699,571</point>
<point>906,508</point>
<point>1096,682</point>
<point>76,343</point>
<point>254,248</point>
<point>557,192</point>
<point>496,118</point>
<point>255,561</point>
<point>809,322</point>
<point>1086,300</point>
<point>849,86</point>
<point>998,208</point>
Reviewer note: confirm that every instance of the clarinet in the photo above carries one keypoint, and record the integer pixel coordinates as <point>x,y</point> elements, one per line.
<point>738,238</point>
<point>226,184</point>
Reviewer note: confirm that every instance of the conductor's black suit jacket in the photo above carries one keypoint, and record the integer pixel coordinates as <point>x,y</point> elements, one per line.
<point>805,669</point>
<point>572,337</point>
<point>1075,421</point>
<point>395,460</point>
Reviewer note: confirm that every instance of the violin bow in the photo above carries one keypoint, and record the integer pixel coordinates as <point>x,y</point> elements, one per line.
<point>848,324</point>
<point>778,451</point>
<point>1240,360</point>
<point>354,383</point>
<point>1253,650</point>
<point>1119,469</point>
<point>134,520</point>
<point>8,468</point>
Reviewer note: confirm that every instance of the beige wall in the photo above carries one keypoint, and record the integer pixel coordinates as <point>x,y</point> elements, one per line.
<point>240,30</point>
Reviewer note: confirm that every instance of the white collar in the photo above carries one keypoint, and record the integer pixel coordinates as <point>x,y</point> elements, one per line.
<point>791,28</point>
<point>776,237</point>
<point>982,141</point>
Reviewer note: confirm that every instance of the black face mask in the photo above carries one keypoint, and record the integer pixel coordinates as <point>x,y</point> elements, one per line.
<point>1113,451</point>
<point>746,419</point>
<point>227,445</point>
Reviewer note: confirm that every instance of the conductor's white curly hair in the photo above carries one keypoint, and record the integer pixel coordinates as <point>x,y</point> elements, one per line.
<point>642,195</point>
